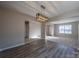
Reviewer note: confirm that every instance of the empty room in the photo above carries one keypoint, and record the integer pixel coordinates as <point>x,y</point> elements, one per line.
<point>39,29</point>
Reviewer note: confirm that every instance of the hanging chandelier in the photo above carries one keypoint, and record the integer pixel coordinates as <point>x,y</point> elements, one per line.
<point>40,17</point>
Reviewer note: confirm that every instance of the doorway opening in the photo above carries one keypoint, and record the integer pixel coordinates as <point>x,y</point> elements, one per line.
<point>26,31</point>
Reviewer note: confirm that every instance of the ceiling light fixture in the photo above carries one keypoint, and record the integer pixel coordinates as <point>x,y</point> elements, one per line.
<point>40,17</point>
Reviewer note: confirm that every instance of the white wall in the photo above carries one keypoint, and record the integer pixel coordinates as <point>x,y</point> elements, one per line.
<point>0,25</point>
<point>12,28</point>
<point>35,29</point>
<point>78,36</point>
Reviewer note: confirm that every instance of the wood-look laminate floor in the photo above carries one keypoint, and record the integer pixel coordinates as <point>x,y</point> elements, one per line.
<point>39,49</point>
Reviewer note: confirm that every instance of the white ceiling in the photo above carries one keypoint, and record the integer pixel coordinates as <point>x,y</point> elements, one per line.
<point>53,8</point>
<point>67,20</point>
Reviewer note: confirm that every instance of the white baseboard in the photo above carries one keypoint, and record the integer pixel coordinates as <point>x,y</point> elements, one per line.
<point>11,47</point>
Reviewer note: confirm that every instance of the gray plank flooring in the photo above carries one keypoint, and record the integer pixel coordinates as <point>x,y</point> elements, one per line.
<point>39,49</point>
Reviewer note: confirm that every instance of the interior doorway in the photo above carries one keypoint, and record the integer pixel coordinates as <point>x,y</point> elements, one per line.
<point>26,31</point>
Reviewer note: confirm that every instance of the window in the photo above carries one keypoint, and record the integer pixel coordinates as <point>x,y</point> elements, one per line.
<point>67,29</point>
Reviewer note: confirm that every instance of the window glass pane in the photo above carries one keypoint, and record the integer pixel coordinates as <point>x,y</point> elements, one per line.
<point>67,29</point>
<point>61,29</point>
